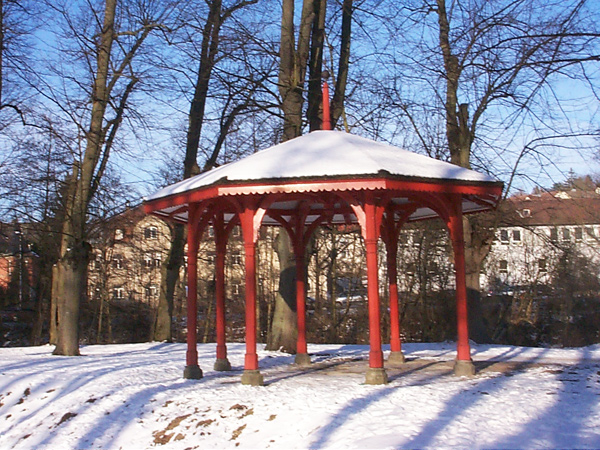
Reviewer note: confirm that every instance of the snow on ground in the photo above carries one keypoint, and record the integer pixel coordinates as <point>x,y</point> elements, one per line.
<point>134,397</point>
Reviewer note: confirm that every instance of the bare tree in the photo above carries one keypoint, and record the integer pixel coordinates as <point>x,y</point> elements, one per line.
<point>18,22</point>
<point>210,49</point>
<point>107,42</point>
<point>481,69</point>
<point>295,57</point>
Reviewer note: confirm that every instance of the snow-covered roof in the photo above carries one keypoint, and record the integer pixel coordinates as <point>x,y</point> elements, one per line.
<point>322,154</point>
<point>329,161</point>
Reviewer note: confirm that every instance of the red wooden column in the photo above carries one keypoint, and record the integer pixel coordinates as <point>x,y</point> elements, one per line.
<point>192,369</point>
<point>391,244</point>
<point>372,220</point>
<point>464,364</point>
<point>222,363</point>
<point>390,232</point>
<point>250,219</point>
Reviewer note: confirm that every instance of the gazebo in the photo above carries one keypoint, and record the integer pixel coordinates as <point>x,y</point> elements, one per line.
<point>325,177</point>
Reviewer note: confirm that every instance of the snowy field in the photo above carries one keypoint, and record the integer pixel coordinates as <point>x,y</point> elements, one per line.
<point>134,397</point>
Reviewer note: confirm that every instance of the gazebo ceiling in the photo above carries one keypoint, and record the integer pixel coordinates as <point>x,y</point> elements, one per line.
<point>313,169</point>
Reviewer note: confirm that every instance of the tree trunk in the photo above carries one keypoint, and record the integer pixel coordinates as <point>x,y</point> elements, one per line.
<point>169,272</point>
<point>460,140</point>
<point>54,306</point>
<point>315,96</point>
<point>476,250</point>
<point>74,253</point>
<point>208,53</point>
<point>284,327</point>
<point>72,272</point>
<point>292,73</point>
<point>292,66</point>
<point>339,96</point>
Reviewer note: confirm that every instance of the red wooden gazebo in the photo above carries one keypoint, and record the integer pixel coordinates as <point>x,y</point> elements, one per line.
<point>325,177</point>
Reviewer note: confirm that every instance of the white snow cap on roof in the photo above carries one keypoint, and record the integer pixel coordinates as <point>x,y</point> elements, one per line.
<point>327,154</point>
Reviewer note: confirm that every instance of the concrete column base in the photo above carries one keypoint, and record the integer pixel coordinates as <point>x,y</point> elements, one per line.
<point>376,375</point>
<point>193,372</point>
<point>464,368</point>
<point>396,358</point>
<point>222,365</point>
<point>252,378</point>
<point>302,359</point>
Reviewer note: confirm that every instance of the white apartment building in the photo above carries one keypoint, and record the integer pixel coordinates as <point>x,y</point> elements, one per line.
<point>543,228</point>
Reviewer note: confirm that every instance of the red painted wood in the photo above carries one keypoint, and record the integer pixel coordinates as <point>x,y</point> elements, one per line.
<point>221,247</point>
<point>357,199</point>
<point>390,232</point>
<point>251,358</point>
<point>192,294</point>
<point>326,114</point>
<point>371,233</point>
<point>392,268</point>
<point>250,227</point>
<point>458,243</point>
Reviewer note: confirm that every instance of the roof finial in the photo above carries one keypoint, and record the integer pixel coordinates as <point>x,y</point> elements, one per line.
<point>326,114</point>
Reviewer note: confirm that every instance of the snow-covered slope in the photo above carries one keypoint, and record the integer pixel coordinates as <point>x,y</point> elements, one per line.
<point>134,397</point>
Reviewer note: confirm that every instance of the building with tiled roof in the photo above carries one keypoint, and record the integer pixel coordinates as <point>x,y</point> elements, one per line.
<point>537,232</point>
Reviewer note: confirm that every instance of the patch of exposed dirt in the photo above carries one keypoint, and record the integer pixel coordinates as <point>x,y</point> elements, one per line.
<point>205,423</point>
<point>65,417</point>
<point>237,433</point>
<point>25,395</point>
<point>162,437</point>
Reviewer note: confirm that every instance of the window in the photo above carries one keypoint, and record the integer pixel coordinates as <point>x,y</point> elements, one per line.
<point>211,231</point>
<point>516,235</point>
<point>542,265</point>
<point>148,260</point>
<point>235,289</point>
<point>345,254</point>
<point>236,258</point>
<point>590,232</point>
<point>504,236</point>
<point>579,234</point>
<point>119,293</point>
<point>403,239</point>
<point>503,266</point>
<point>411,268</point>
<point>553,234</point>
<point>117,262</point>
<point>151,233</point>
<point>566,234</point>
<point>152,260</point>
<point>97,263</point>
<point>119,234</point>
<point>211,257</point>
<point>526,213</point>
<point>151,291</point>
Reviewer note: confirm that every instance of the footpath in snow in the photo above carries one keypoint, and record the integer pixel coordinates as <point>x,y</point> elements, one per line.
<point>134,397</point>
